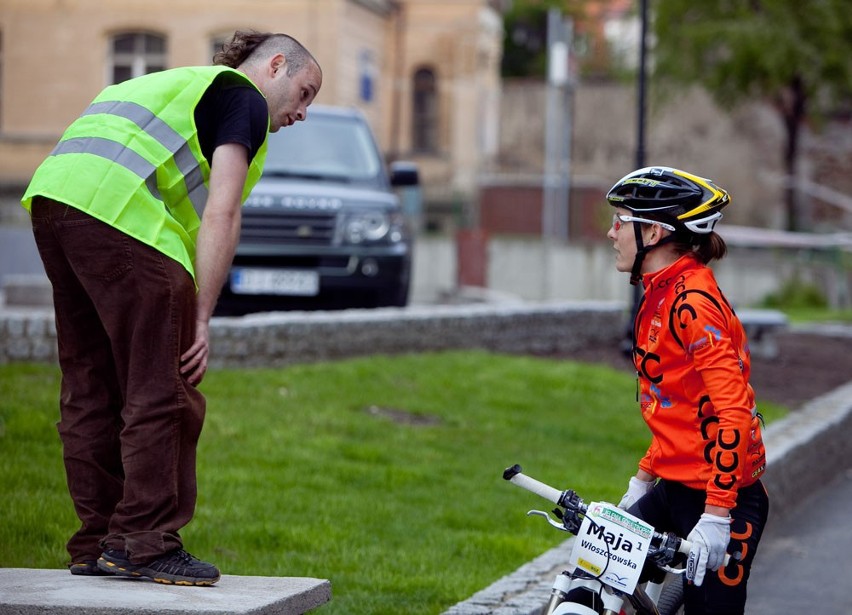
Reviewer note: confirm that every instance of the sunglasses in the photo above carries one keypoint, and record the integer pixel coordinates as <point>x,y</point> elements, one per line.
<point>619,220</point>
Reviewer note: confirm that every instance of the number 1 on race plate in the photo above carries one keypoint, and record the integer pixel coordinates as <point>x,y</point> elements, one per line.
<point>612,545</point>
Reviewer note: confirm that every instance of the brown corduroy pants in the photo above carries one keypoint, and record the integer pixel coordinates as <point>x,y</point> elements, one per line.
<point>129,422</point>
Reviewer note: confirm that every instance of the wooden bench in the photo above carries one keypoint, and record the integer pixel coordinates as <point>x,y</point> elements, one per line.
<point>761,327</point>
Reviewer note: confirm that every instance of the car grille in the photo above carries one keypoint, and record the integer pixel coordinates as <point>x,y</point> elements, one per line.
<point>301,228</point>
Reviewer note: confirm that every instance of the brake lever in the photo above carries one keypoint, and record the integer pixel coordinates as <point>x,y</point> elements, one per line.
<point>541,513</point>
<point>677,571</point>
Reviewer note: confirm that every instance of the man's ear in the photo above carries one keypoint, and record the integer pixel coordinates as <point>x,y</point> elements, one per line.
<point>277,63</point>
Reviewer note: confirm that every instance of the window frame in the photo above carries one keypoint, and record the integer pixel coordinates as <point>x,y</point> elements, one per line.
<point>425,113</point>
<point>139,60</point>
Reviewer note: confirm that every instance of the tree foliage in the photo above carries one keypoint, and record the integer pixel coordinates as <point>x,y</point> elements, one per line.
<point>795,54</point>
<point>525,35</point>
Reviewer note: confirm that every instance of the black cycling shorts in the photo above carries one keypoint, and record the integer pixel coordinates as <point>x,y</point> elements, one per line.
<point>673,507</point>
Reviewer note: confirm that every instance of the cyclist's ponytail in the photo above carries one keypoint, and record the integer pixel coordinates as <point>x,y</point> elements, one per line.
<point>707,246</point>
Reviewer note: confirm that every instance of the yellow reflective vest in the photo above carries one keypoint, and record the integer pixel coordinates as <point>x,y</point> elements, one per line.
<point>133,160</point>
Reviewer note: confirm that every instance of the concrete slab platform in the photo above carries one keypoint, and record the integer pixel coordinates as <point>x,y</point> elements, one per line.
<point>25,591</point>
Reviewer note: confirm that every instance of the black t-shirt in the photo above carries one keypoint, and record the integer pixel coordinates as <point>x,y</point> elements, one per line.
<point>231,111</point>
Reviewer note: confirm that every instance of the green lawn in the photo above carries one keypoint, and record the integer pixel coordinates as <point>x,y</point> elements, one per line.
<point>382,474</point>
<point>818,315</point>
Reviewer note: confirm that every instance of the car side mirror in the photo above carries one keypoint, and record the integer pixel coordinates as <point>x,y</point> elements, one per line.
<point>404,173</point>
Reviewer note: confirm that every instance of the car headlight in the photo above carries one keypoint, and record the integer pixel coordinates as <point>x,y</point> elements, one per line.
<point>366,226</point>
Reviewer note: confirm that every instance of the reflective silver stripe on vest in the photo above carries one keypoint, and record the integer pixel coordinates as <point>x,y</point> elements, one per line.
<point>166,136</point>
<point>115,152</point>
<point>192,177</point>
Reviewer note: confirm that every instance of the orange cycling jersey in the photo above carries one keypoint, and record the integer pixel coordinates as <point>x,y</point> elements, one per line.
<point>692,359</point>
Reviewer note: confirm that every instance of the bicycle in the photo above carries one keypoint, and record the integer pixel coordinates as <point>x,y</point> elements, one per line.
<point>607,558</point>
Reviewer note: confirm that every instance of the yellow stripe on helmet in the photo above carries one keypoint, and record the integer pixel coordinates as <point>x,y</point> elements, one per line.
<point>718,196</point>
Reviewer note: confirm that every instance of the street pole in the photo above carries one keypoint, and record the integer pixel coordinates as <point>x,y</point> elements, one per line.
<point>567,105</point>
<point>556,72</point>
<point>627,344</point>
<point>551,146</point>
<point>640,107</point>
<point>555,184</point>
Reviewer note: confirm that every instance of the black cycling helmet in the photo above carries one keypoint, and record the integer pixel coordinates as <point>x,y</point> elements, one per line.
<point>686,201</point>
<point>682,202</point>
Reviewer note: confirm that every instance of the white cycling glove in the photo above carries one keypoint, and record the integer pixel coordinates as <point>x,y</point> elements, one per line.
<point>709,539</point>
<point>635,491</point>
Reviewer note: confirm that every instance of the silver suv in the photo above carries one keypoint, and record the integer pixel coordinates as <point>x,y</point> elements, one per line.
<point>323,228</point>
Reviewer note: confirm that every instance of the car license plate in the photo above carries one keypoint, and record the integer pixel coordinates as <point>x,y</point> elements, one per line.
<point>247,281</point>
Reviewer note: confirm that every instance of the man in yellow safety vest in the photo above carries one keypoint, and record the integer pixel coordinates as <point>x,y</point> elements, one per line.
<point>136,215</point>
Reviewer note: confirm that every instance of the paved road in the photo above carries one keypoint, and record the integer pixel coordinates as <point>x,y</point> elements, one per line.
<point>804,563</point>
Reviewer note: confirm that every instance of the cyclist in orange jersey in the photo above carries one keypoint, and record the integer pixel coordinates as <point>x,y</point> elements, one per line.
<point>701,474</point>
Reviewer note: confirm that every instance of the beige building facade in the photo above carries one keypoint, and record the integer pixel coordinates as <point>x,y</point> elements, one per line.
<point>425,72</point>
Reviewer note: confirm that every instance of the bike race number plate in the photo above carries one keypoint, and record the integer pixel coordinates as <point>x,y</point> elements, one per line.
<point>612,546</point>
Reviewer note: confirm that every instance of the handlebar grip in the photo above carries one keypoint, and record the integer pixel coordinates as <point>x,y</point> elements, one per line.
<point>685,547</point>
<point>515,475</point>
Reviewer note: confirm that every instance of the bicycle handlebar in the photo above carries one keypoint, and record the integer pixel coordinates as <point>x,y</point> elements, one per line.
<point>684,546</point>
<point>516,476</point>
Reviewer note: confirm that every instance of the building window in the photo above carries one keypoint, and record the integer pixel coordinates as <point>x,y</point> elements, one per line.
<point>135,54</point>
<point>425,112</point>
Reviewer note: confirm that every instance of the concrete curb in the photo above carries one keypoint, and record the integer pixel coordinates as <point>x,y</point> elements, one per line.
<point>37,592</point>
<point>799,449</point>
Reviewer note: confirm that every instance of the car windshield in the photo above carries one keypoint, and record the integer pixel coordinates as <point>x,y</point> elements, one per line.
<point>324,147</point>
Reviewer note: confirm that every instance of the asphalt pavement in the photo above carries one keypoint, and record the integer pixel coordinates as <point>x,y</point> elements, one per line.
<point>804,561</point>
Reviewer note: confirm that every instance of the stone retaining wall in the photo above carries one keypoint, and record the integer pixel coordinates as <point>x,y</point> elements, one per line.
<point>27,335</point>
<point>282,338</point>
